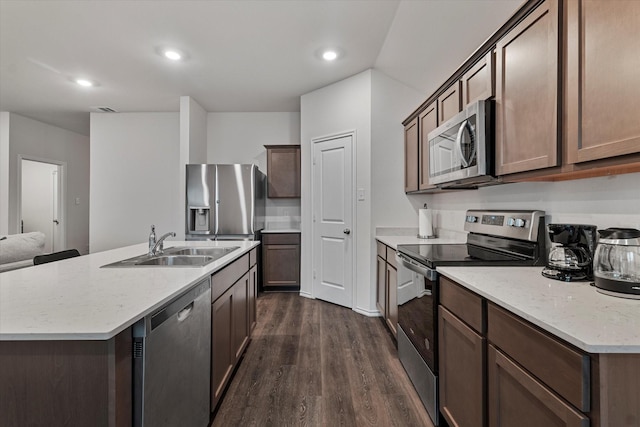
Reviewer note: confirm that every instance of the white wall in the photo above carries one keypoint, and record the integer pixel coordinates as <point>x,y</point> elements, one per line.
<point>135,177</point>
<point>612,201</point>
<point>36,140</point>
<point>339,108</point>
<point>241,137</point>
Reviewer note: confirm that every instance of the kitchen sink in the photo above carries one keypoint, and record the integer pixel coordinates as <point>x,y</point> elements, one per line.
<point>178,256</point>
<point>214,252</point>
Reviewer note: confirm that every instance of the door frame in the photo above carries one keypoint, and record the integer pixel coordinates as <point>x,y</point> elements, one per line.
<point>62,194</point>
<point>354,205</point>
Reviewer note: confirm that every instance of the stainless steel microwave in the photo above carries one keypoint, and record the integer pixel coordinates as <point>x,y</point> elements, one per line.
<point>461,149</point>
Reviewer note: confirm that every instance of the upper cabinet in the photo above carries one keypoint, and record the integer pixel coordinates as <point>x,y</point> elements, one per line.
<point>602,85</point>
<point>449,103</point>
<point>283,171</point>
<point>411,156</point>
<point>527,93</point>
<point>428,121</point>
<point>478,83</point>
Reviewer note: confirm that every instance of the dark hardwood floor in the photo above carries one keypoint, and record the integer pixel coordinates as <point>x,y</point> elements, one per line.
<point>313,363</point>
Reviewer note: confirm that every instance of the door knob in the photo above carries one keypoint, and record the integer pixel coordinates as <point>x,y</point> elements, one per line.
<point>56,221</point>
<point>346,231</point>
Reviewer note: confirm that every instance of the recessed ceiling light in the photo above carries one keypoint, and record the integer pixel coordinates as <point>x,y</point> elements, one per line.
<point>84,82</point>
<point>329,55</point>
<point>172,54</point>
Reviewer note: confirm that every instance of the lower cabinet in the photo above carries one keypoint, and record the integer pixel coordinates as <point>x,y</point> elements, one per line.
<point>281,261</point>
<point>233,317</point>
<point>387,286</point>
<point>517,398</point>
<point>392,300</point>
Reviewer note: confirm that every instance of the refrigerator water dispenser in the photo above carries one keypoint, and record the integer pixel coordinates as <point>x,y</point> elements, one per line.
<point>199,219</point>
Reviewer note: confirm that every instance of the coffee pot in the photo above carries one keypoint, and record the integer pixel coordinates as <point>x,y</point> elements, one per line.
<point>617,262</point>
<point>570,256</point>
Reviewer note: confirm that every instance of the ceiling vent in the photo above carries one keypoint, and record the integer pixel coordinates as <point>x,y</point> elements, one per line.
<point>103,110</point>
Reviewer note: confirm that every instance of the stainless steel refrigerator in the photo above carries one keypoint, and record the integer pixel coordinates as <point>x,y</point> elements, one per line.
<point>225,202</point>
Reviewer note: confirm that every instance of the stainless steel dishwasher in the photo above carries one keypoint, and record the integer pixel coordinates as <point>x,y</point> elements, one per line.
<point>171,362</point>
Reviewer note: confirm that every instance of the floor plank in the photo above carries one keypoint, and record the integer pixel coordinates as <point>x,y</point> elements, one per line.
<point>312,363</point>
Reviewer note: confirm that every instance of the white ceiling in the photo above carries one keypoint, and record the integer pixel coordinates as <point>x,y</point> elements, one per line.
<point>244,56</point>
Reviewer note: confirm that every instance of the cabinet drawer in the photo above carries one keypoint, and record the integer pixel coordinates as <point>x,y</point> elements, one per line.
<point>281,238</point>
<point>382,250</point>
<point>391,257</point>
<point>225,278</point>
<point>463,303</point>
<point>559,366</point>
<point>253,257</point>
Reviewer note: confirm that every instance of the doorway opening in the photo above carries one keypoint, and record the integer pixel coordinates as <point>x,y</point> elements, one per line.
<point>41,206</point>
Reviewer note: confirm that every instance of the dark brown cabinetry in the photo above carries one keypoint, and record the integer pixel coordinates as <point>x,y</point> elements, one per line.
<point>479,82</point>
<point>387,286</point>
<point>462,356</point>
<point>281,261</point>
<point>527,93</point>
<point>603,93</point>
<point>283,171</point>
<point>233,315</point>
<point>428,121</point>
<point>411,156</point>
<point>449,103</point>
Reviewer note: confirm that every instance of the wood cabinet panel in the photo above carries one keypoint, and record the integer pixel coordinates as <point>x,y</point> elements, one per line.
<point>449,103</point>
<point>516,398</point>
<point>478,83</point>
<point>428,121</point>
<point>411,156</point>
<point>462,377</point>
<point>392,299</point>
<point>283,171</point>
<point>382,250</point>
<point>603,91</point>
<point>252,299</point>
<point>223,279</point>
<point>222,348</point>
<point>391,257</point>
<point>281,264</point>
<point>463,303</point>
<point>527,93</point>
<point>381,286</point>
<point>240,305</point>
<point>562,368</point>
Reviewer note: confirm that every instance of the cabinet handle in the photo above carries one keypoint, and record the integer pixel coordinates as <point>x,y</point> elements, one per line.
<point>346,231</point>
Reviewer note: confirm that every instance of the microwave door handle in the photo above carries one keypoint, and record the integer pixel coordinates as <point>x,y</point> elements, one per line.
<point>463,125</point>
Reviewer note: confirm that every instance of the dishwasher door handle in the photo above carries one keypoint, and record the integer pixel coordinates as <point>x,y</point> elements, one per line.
<point>185,312</point>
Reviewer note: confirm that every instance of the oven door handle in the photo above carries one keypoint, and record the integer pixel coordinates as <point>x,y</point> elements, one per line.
<point>412,265</point>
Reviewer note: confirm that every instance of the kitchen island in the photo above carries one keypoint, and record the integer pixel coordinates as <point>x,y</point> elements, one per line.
<point>65,331</point>
<point>550,347</point>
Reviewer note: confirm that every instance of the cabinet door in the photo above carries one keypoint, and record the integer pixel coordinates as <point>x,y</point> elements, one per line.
<point>222,351</point>
<point>392,299</point>
<point>281,265</point>
<point>252,300</point>
<point>240,315</point>
<point>478,83</point>
<point>283,171</point>
<point>462,380</point>
<point>449,103</point>
<point>428,121</point>
<point>411,156</point>
<point>381,287</point>
<point>527,93</point>
<point>603,89</point>
<point>516,398</point>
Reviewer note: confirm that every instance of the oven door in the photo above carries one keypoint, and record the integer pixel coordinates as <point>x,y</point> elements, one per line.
<point>417,330</point>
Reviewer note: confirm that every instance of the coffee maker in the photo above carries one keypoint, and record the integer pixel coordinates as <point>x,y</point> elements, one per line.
<point>570,255</point>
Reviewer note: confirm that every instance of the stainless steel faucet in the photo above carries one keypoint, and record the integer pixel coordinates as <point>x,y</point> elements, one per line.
<point>158,247</point>
<point>152,239</point>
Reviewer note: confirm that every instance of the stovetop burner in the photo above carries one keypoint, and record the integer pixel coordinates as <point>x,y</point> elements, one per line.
<point>460,254</point>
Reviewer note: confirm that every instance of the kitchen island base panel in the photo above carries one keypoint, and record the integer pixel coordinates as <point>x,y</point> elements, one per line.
<point>66,382</point>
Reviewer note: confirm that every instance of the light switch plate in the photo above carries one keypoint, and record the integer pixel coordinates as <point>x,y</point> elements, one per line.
<point>360,194</point>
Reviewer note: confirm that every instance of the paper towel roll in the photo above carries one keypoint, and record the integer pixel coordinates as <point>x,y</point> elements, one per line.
<point>425,228</point>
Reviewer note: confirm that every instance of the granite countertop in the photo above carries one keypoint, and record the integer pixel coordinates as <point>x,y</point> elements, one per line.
<point>572,311</point>
<point>75,299</point>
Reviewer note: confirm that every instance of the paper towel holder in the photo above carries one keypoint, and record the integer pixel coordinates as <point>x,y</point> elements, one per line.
<point>422,236</point>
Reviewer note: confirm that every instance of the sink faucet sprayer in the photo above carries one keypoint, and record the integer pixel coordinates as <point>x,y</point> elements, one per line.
<point>156,247</point>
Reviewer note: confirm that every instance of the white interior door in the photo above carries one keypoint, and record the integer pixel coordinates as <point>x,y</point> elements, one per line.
<point>40,201</point>
<point>333,220</point>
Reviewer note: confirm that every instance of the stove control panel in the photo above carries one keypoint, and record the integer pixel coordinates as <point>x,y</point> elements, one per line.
<point>521,225</point>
